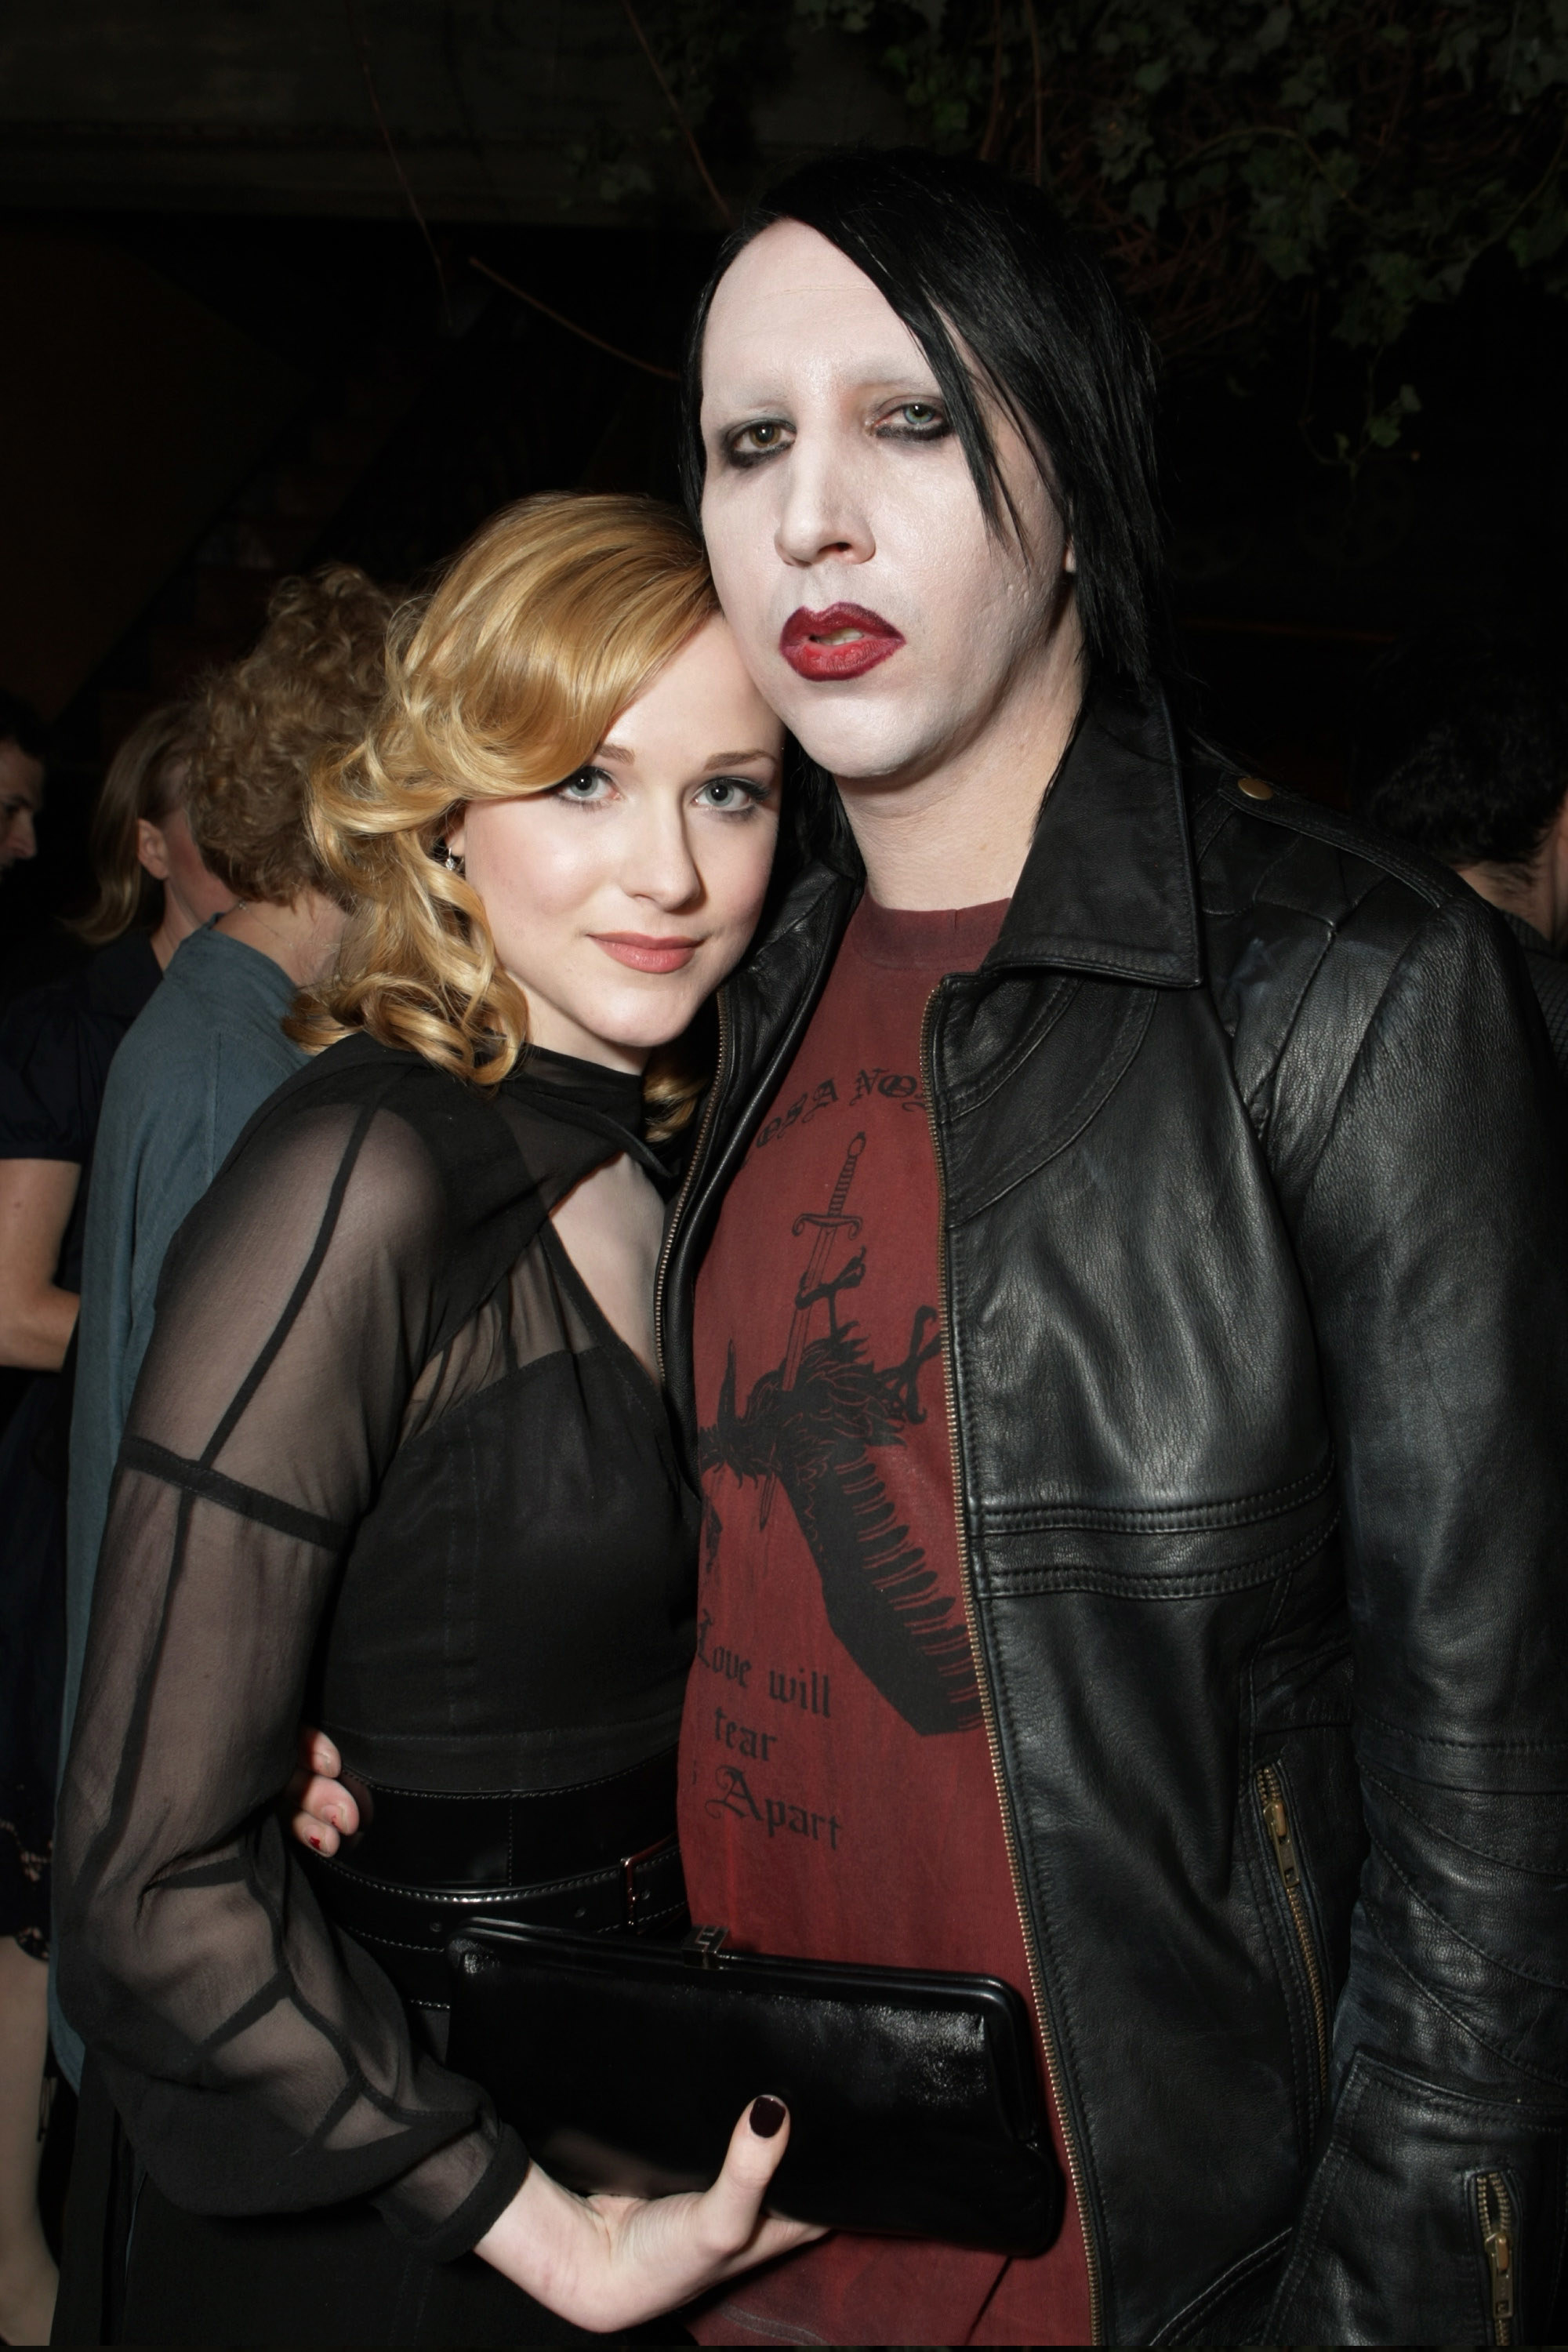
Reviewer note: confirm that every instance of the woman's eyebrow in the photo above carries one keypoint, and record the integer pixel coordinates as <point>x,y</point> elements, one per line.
<point>734,759</point>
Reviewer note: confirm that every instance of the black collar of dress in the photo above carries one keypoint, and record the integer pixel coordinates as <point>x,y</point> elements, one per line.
<point>605,1102</point>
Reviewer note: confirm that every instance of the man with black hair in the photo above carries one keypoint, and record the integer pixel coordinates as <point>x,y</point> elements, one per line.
<point>1462,751</point>
<point>21,779</point>
<point>1119,1300</point>
<point>1129,1262</point>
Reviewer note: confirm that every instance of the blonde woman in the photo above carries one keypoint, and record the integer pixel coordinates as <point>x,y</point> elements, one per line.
<point>399,1454</point>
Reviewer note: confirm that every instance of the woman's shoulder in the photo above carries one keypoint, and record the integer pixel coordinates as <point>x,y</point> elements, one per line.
<point>361,1075</point>
<point>401,1117</point>
<point>401,1161</point>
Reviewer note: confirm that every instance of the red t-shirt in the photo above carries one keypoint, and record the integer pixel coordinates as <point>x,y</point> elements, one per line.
<point>836,1794</point>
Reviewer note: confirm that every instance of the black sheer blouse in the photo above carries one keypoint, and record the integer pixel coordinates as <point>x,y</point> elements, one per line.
<point>385,1459</point>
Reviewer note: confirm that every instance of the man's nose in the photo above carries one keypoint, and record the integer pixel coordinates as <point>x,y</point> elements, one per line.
<point>823,514</point>
<point>22,839</point>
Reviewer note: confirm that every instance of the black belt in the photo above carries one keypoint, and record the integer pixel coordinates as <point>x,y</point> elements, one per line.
<point>599,1858</point>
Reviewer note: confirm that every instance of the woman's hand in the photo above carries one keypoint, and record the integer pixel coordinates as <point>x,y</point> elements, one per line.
<point>322,1812</point>
<point>603,2263</point>
<point>607,2263</point>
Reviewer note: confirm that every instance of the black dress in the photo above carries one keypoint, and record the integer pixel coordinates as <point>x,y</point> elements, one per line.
<point>387,1468</point>
<point>56,1046</point>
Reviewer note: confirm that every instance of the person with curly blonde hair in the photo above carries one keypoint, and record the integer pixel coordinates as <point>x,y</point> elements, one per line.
<point>400,1451</point>
<point>209,1045</point>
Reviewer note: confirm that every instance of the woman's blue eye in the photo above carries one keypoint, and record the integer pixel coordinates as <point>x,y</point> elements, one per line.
<point>584,785</point>
<point>729,794</point>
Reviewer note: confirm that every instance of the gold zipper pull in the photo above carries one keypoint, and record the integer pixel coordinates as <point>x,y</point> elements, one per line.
<point>1279,1822</point>
<point>1496,2207</point>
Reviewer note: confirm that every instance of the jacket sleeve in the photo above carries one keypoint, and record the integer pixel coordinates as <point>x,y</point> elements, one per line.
<point>1423,1177</point>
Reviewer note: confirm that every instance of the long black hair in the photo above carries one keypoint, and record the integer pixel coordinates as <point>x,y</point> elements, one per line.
<point>963,254</point>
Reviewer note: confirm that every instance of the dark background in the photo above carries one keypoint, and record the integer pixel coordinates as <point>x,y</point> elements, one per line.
<point>230,352</point>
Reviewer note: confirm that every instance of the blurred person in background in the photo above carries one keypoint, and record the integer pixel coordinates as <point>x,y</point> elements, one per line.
<point>56,1046</point>
<point>1462,751</point>
<point>210,1048</point>
<point>21,779</point>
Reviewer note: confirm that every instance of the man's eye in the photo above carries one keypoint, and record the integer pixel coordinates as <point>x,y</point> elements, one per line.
<point>915,420</point>
<point>758,440</point>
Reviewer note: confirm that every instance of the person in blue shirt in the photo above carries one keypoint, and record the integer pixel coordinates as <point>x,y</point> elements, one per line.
<point>210,1048</point>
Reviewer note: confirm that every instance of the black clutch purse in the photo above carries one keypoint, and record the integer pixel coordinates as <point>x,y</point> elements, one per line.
<point>915,2104</point>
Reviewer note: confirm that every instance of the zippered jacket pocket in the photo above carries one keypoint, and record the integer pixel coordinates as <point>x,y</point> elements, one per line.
<point>1497,2216</point>
<point>1431,2217</point>
<point>1279,1837</point>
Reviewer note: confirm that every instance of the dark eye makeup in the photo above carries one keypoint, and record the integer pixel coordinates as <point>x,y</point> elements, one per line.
<point>908,420</point>
<point>914,420</point>
<point>737,452</point>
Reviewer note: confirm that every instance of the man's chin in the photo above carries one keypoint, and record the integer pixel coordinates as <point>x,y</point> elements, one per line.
<point>866,746</point>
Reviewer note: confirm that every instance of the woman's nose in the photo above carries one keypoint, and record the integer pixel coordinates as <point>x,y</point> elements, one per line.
<point>662,868</point>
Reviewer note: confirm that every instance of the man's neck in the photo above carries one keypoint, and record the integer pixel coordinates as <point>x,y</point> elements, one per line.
<point>1530,901</point>
<point>301,938</point>
<point>957,833</point>
<point>1538,895</point>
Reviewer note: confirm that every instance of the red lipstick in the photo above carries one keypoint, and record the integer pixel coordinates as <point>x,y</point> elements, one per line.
<point>646,951</point>
<point>845,641</point>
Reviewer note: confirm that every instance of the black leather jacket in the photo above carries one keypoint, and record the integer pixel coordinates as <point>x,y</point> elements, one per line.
<point>1256,1276</point>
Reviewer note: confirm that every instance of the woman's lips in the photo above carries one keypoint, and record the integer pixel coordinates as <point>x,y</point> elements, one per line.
<point>645,952</point>
<point>845,641</point>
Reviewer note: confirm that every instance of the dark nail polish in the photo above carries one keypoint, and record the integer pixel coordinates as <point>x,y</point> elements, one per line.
<point>767,2115</point>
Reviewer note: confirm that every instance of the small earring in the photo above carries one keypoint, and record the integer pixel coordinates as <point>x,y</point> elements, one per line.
<point>452,864</point>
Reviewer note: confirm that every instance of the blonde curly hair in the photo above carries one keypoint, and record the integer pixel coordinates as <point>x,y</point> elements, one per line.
<point>310,684</point>
<point>554,618</point>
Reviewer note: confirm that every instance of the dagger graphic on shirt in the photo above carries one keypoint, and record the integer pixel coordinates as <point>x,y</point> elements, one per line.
<point>829,1222</point>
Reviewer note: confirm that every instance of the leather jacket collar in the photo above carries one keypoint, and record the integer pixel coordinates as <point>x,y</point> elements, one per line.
<point>1109,885</point>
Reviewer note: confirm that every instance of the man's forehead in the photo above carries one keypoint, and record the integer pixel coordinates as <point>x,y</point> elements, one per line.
<point>798,303</point>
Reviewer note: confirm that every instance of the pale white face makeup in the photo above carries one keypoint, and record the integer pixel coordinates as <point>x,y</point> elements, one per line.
<point>881,617</point>
<point>621,898</point>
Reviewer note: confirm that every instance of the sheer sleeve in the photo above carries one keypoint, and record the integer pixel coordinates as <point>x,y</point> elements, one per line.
<point>260,2062</point>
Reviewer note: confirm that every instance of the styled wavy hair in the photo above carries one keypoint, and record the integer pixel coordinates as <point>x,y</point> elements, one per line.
<point>556,614</point>
<point>309,685</point>
<point>147,777</point>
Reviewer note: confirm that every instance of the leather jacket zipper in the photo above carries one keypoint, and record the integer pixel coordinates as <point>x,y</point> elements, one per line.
<point>1282,1845</point>
<point>672,1226</point>
<point>988,1707</point>
<point>1499,2241</point>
